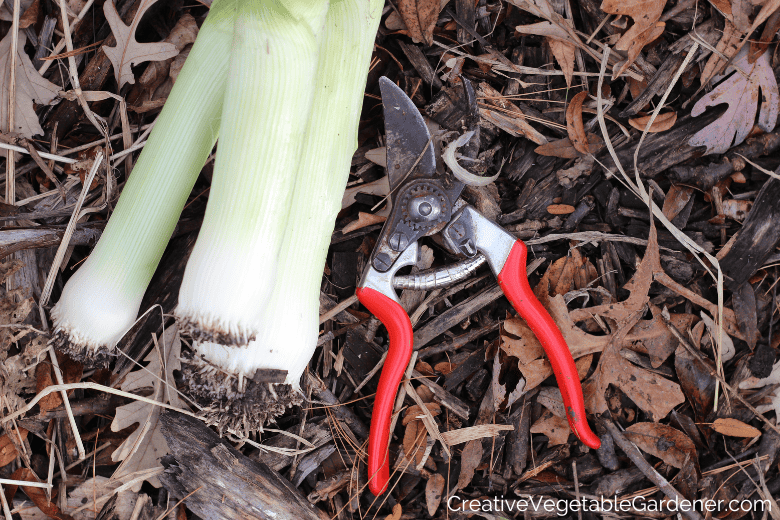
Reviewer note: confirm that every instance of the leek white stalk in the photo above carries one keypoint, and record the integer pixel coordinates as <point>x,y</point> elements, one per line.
<point>101,301</point>
<point>289,327</point>
<point>271,77</point>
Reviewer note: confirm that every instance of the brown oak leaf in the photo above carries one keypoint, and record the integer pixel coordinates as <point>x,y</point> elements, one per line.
<point>652,393</point>
<point>128,51</point>
<point>31,88</point>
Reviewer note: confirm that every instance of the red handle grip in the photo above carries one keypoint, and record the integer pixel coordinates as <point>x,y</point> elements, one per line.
<point>514,283</point>
<point>395,319</point>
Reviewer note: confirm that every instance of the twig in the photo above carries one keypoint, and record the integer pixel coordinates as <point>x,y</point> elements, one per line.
<point>576,487</point>
<point>66,402</point>
<point>338,308</point>
<point>10,169</point>
<point>6,509</point>
<point>371,374</point>
<point>656,478</point>
<point>88,386</point>
<point>24,483</point>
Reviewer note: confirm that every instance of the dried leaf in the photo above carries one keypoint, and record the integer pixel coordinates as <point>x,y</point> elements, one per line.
<point>566,274</point>
<point>734,428</point>
<point>741,11</point>
<point>528,350</point>
<point>555,428</point>
<point>433,491</point>
<point>142,449</point>
<point>470,458</point>
<point>638,286</point>
<point>742,95</point>
<point>767,10</point>
<point>517,340</point>
<point>8,450</point>
<point>444,367</point>
<point>550,397</point>
<point>727,350</point>
<point>364,220</point>
<point>772,379</point>
<point>31,88</point>
<point>377,156</point>
<point>424,368</point>
<point>636,87</point>
<point>644,13</point>
<point>71,373</point>
<point>696,382</point>
<point>157,72</point>
<point>411,441</point>
<point>724,6</point>
<point>396,514</point>
<point>564,55</point>
<point>128,51</point>
<point>380,187</point>
<point>757,48</point>
<point>652,337</point>
<point>100,490</point>
<point>649,391</point>
<point>546,28</point>
<point>497,390</point>
<point>535,372</point>
<point>676,200</point>
<point>564,148</point>
<point>30,15</point>
<point>560,209</point>
<point>662,123</point>
<point>420,18</point>
<point>667,443</point>
<point>574,124</point>
<point>414,412</point>
<point>583,366</point>
<point>635,48</point>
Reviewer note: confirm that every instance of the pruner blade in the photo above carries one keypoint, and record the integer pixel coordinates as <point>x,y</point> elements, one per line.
<point>406,136</point>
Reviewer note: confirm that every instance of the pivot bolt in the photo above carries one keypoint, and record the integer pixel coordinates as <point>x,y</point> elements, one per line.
<point>399,241</point>
<point>382,262</point>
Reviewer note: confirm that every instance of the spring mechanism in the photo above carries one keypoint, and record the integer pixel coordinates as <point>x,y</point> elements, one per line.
<point>440,277</point>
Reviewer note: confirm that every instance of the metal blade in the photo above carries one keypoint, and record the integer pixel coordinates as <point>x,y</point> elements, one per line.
<point>406,137</point>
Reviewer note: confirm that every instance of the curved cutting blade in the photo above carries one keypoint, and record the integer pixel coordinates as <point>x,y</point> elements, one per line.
<point>406,137</point>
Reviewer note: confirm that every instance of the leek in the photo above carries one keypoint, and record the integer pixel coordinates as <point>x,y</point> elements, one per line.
<point>270,87</point>
<point>290,322</point>
<point>101,301</point>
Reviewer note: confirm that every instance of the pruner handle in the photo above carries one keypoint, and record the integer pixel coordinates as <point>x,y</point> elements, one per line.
<point>399,328</point>
<point>470,232</point>
<point>514,283</point>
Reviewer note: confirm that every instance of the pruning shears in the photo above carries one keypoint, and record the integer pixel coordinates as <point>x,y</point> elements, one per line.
<point>426,202</point>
